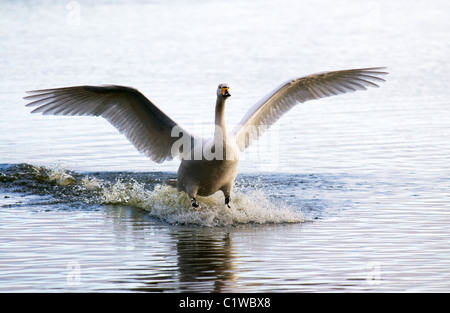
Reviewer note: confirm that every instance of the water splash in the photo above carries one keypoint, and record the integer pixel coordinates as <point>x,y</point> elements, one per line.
<point>166,203</point>
<point>250,204</point>
<point>59,175</point>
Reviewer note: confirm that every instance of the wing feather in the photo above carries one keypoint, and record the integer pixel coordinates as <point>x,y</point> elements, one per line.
<point>143,123</point>
<point>270,108</point>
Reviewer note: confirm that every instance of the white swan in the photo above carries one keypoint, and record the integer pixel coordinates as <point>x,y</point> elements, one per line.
<point>206,165</point>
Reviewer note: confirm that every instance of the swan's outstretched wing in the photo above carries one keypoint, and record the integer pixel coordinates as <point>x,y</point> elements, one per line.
<point>143,123</point>
<point>269,109</point>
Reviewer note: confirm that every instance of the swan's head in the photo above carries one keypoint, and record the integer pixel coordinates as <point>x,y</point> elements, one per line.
<point>222,91</point>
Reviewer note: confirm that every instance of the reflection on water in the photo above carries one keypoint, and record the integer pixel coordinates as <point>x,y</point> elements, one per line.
<point>186,259</point>
<point>199,259</point>
<point>204,258</point>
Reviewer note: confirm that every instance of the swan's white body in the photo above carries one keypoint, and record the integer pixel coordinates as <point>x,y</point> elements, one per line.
<point>206,166</point>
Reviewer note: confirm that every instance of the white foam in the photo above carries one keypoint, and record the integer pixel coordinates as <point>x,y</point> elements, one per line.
<point>58,174</point>
<point>248,205</point>
<point>166,203</point>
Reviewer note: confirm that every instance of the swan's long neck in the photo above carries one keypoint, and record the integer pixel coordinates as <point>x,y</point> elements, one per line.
<point>220,118</point>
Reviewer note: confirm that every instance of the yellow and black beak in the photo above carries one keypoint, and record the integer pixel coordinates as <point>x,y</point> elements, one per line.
<point>225,92</point>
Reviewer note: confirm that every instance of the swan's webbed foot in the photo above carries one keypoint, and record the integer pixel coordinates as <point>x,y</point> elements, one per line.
<point>194,203</point>
<point>227,201</point>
